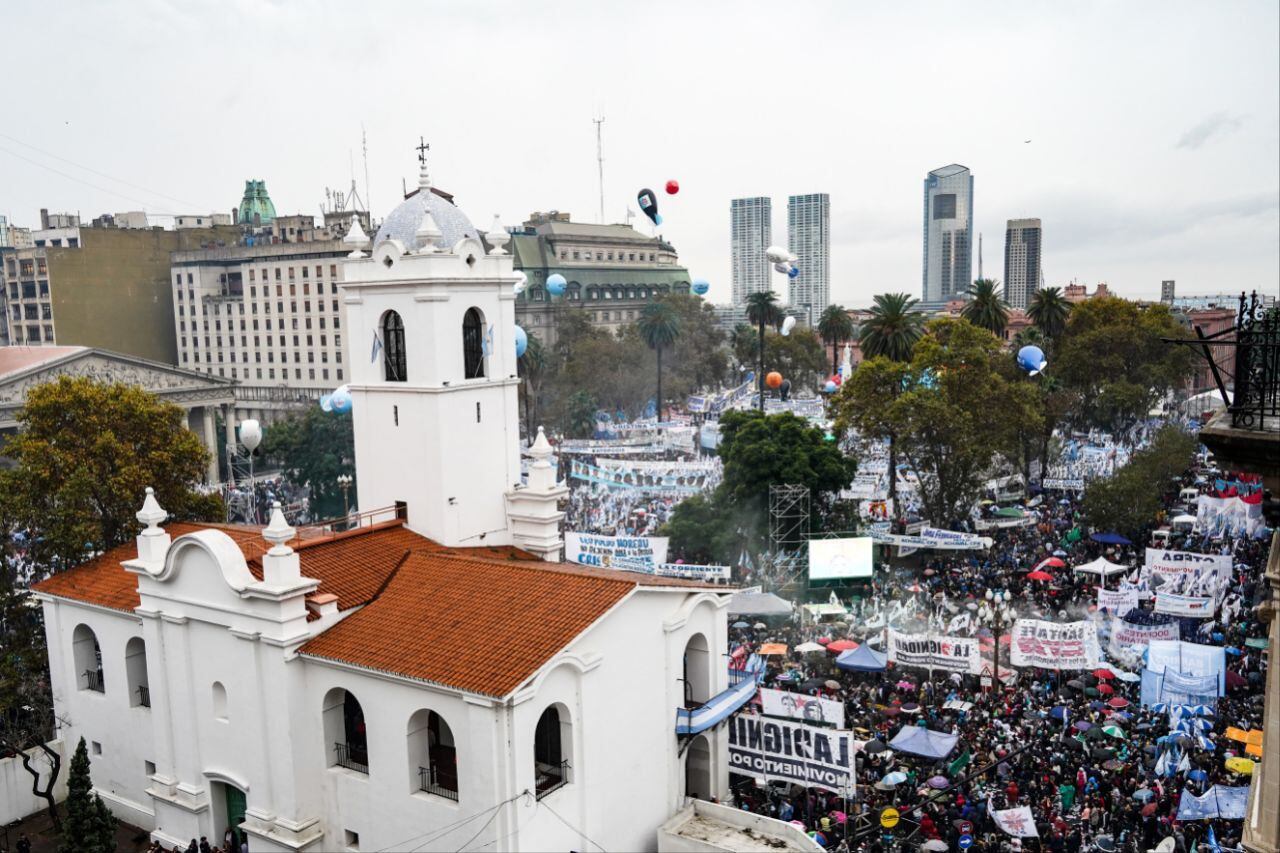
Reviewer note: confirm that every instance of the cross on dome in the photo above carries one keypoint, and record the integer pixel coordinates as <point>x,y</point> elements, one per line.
<point>424,179</point>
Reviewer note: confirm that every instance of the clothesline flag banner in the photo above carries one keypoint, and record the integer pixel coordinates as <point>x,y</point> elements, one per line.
<point>791,752</point>
<point>610,552</point>
<point>637,478</point>
<point>932,537</point>
<point>1127,638</point>
<point>1117,602</point>
<point>933,651</point>
<point>1055,645</point>
<point>798,706</point>
<point>1184,605</point>
<point>1185,573</point>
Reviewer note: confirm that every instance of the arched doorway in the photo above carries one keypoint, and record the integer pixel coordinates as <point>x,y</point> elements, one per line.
<point>697,769</point>
<point>234,803</point>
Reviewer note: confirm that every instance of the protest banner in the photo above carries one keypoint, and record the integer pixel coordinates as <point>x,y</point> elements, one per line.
<point>1016,822</point>
<point>798,706</point>
<point>1055,645</point>
<point>1127,638</point>
<point>932,537</point>
<point>931,651</point>
<point>1234,516</point>
<point>1117,602</point>
<point>1074,484</point>
<point>606,552</point>
<point>1184,605</point>
<point>791,752</point>
<point>1184,572</point>
<point>692,572</point>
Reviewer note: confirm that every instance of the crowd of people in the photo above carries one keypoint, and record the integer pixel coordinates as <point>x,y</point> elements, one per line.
<point>1034,739</point>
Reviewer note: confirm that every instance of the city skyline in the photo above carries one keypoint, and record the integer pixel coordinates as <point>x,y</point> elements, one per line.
<point>1184,189</point>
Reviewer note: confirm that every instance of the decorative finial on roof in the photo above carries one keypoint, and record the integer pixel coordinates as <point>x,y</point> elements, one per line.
<point>541,450</point>
<point>151,514</point>
<point>427,234</point>
<point>278,532</point>
<point>424,179</point>
<point>498,236</point>
<point>356,238</point>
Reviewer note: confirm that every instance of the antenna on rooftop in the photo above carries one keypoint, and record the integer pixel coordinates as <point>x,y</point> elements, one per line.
<point>600,162</point>
<point>364,148</point>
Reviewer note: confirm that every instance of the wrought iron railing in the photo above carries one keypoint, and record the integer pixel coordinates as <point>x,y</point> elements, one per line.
<point>93,680</point>
<point>550,777</point>
<point>1255,405</point>
<point>429,781</point>
<point>352,756</point>
<point>144,696</point>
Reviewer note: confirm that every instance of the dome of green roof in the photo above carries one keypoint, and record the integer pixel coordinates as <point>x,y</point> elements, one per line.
<point>256,207</point>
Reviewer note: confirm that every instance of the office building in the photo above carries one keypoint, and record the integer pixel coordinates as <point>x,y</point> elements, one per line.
<point>1167,292</point>
<point>948,235</point>
<point>1021,261</point>
<point>750,234</point>
<point>809,239</point>
<point>611,271</point>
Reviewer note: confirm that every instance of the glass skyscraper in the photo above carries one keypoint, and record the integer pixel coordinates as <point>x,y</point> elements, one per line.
<point>809,239</point>
<point>948,234</point>
<point>1021,261</point>
<point>751,232</point>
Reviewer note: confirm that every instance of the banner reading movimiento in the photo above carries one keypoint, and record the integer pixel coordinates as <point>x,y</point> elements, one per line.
<point>793,752</point>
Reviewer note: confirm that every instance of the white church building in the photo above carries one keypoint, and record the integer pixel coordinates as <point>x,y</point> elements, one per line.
<point>432,679</point>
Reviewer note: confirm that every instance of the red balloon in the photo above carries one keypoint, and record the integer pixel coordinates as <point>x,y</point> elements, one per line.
<point>837,378</point>
<point>773,380</point>
<point>673,187</point>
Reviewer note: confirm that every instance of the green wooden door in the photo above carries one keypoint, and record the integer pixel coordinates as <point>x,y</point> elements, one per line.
<point>235,811</point>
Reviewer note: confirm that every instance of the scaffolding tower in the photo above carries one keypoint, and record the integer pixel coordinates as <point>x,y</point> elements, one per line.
<point>789,528</point>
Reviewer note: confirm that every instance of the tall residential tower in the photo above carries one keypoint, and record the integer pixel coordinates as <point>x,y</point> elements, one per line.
<point>809,239</point>
<point>948,234</point>
<point>1021,261</point>
<point>751,232</point>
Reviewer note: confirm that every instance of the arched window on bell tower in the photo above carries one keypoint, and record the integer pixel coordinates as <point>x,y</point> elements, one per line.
<point>393,358</point>
<point>473,344</point>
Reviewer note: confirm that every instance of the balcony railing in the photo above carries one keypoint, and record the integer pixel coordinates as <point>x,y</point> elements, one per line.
<point>429,781</point>
<point>1256,402</point>
<point>144,696</point>
<point>93,680</point>
<point>550,777</point>
<point>353,756</point>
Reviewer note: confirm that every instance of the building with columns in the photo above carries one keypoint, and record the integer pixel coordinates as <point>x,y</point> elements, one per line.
<point>204,398</point>
<point>433,678</point>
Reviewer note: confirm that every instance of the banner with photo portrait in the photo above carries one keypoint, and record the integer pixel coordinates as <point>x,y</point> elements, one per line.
<point>800,706</point>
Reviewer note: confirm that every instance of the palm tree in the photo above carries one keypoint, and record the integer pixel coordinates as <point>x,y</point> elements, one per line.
<point>532,367</point>
<point>986,306</point>
<point>893,327</point>
<point>1049,310</point>
<point>835,327</point>
<point>892,331</point>
<point>1030,336</point>
<point>659,326</point>
<point>763,310</point>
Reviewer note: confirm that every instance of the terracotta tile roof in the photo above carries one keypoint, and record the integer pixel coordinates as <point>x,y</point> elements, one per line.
<point>484,626</point>
<point>18,359</point>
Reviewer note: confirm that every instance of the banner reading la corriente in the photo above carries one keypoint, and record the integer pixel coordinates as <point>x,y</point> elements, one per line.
<point>604,551</point>
<point>1055,645</point>
<point>931,651</point>
<point>794,752</point>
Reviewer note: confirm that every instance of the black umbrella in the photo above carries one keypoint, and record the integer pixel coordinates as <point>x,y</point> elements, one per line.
<point>1101,754</point>
<point>1075,684</point>
<point>813,684</point>
<point>875,747</point>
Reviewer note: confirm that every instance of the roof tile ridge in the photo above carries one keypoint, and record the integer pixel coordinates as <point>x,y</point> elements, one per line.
<point>391,575</point>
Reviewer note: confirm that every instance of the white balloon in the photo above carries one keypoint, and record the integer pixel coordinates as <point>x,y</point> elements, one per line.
<point>777,254</point>
<point>522,281</point>
<point>250,434</point>
<point>788,324</point>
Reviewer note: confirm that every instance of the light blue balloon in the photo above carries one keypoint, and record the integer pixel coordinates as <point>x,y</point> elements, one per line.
<point>657,219</point>
<point>326,403</point>
<point>341,400</point>
<point>1031,359</point>
<point>793,272</point>
<point>522,342</point>
<point>830,387</point>
<point>701,286</point>
<point>555,284</point>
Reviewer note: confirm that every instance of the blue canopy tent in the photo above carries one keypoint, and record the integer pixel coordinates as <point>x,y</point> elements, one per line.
<point>924,742</point>
<point>1110,538</point>
<point>862,659</point>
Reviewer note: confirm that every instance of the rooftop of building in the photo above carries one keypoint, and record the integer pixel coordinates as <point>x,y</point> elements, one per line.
<point>949,171</point>
<point>479,620</point>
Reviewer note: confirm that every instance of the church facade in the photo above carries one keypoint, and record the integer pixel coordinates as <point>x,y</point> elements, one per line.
<point>434,678</point>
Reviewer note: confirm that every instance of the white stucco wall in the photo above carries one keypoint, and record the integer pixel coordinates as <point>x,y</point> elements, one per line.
<point>16,799</point>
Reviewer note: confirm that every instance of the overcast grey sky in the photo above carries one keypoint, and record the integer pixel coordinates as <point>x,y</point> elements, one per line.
<point>1155,126</point>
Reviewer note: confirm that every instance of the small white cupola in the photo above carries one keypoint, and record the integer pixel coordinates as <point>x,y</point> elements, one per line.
<point>280,565</point>
<point>533,508</point>
<point>153,541</point>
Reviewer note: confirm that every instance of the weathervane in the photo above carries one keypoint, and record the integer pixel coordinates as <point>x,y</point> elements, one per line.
<point>423,148</point>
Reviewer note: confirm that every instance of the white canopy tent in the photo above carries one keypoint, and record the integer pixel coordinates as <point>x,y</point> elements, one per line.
<point>1184,520</point>
<point>758,604</point>
<point>1102,567</point>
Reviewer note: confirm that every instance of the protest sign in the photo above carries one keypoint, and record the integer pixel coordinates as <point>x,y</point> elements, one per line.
<point>931,651</point>
<point>1074,484</point>
<point>1184,572</point>
<point>1117,602</point>
<point>1016,822</point>
<point>607,552</point>
<point>1184,605</point>
<point>1055,645</point>
<point>798,706</point>
<point>792,752</point>
<point>692,572</point>
<point>1127,638</point>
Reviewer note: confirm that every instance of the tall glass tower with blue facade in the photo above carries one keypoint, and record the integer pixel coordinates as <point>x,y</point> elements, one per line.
<point>948,235</point>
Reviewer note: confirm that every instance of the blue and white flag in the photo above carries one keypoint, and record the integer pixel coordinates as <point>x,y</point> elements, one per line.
<point>486,343</point>
<point>377,347</point>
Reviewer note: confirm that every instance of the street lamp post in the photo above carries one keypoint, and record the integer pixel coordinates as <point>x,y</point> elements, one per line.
<point>344,483</point>
<point>251,437</point>
<point>997,613</point>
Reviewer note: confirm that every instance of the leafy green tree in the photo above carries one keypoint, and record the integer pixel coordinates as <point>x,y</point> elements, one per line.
<point>580,415</point>
<point>835,327</point>
<point>893,327</point>
<point>659,326</point>
<point>702,530</point>
<point>534,367</point>
<point>1130,499</point>
<point>312,448</point>
<point>959,410</point>
<point>745,345</point>
<point>698,358</point>
<point>763,310</point>
<point>798,356</point>
<point>1030,336</point>
<point>82,460</point>
<point>986,307</point>
<point>1112,354</point>
<point>89,826</point>
<point>1049,310</point>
